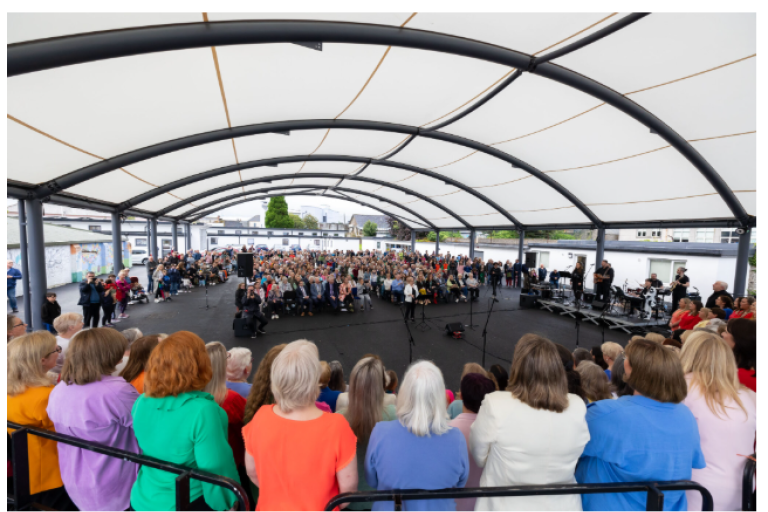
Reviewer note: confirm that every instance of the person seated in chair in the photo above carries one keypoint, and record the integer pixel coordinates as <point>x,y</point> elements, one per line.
<point>473,287</point>
<point>332,294</point>
<point>302,298</point>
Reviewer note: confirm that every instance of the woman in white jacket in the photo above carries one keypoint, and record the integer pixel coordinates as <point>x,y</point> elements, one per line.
<point>531,434</point>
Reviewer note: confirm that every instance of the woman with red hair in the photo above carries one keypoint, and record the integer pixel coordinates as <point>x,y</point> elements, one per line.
<point>177,421</point>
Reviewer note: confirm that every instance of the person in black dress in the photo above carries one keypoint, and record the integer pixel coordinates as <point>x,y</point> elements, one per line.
<point>680,290</point>
<point>577,281</point>
<point>603,288</point>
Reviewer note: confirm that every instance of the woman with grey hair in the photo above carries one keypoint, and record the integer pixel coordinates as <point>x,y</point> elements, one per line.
<point>420,450</point>
<point>316,459</point>
<point>239,366</point>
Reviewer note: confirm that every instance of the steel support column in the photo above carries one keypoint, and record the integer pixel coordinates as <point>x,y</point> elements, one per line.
<point>175,235</point>
<point>413,240</point>
<point>153,238</point>
<point>187,237</point>
<point>437,242</point>
<point>23,252</point>
<point>472,235</point>
<point>117,243</point>
<point>520,250</point>
<point>37,278</point>
<point>742,264</point>
<point>600,251</point>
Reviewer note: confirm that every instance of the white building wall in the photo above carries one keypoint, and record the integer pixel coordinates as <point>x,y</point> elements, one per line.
<point>319,212</point>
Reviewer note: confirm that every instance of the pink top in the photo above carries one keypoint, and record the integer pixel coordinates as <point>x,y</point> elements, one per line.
<point>724,440</point>
<point>464,423</point>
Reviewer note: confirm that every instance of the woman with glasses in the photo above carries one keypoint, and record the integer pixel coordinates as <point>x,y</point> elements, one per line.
<point>16,327</point>
<point>30,358</point>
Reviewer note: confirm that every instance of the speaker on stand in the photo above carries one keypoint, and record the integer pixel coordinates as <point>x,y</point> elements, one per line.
<point>245,264</point>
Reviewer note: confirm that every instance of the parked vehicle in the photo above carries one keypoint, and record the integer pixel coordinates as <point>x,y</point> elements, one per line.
<point>139,256</point>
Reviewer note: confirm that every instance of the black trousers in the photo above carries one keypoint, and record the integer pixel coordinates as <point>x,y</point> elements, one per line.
<point>410,310</point>
<point>474,293</point>
<point>602,291</point>
<point>261,319</point>
<point>91,314</point>
<point>108,310</point>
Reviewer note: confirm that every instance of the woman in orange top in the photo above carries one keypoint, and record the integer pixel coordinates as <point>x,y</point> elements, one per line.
<point>299,456</point>
<point>137,361</point>
<point>682,308</point>
<point>30,357</point>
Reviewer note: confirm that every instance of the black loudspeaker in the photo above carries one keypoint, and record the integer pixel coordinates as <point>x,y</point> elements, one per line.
<point>245,264</point>
<point>240,326</point>
<point>528,301</point>
<point>588,298</point>
<point>454,329</point>
<point>600,305</point>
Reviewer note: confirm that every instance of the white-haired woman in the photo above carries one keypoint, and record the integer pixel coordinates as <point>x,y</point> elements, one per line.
<point>316,456</point>
<point>239,366</point>
<point>67,325</point>
<point>420,451</point>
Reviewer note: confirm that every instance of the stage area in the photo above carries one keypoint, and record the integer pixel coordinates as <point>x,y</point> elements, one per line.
<point>347,337</point>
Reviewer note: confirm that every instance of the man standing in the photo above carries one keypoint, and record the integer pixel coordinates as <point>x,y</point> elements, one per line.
<point>496,277</point>
<point>720,288</point>
<point>13,276</point>
<point>151,267</point>
<point>542,273</point>
<point>517,269</point>
<point>603,288</point>
<point>91,291</point>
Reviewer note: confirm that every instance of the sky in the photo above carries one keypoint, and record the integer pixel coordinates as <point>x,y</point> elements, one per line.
<point>347,208</point>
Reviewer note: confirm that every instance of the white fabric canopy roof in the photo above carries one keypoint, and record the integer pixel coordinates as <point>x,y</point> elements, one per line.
<point>582,161</point>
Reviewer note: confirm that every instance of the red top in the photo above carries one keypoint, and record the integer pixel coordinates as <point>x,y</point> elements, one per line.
<point>234,406</point>
<point>123,287</point>
<point>748,378</point>
<point>689,321</point>
<point>742,314</point>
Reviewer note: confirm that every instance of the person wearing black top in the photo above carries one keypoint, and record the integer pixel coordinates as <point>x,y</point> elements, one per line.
<point>719,289</point>
<point>577,280</point>
<point>680,290</point>
<point>51,311</point>
<point>638,301</point>
<point>252,312</point>
<point>656,282</point>
<point>239,294</point>
<point>496,277</point>
<point>603,288</point>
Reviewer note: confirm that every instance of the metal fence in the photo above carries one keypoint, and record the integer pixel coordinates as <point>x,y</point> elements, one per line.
<point>653,490</point>
<point>21,499</point>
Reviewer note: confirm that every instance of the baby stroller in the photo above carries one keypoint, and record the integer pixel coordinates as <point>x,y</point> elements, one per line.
<point>137,295</point>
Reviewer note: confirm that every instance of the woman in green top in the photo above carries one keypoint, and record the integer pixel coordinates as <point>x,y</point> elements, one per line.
<point>176,421</point>
<point>366,408</point>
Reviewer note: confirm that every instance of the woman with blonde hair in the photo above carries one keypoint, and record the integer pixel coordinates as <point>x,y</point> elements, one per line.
<point>178,421</point>
<point>232,403</point>
<point>420,450</point>
<point>315,456</point>
<point>106,419</point>
<point>682,308</point>
<point>594,381</point>
<point>30,357</point>
<point>159,279</point>
<point>533,432</point>
<point>725,412</point>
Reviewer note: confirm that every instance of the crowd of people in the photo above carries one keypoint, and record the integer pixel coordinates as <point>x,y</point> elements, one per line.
<point>300,431</point>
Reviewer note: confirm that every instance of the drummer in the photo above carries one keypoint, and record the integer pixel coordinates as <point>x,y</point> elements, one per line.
<point>655,282</point>
<point>554,278</point>
<point>637,301</point>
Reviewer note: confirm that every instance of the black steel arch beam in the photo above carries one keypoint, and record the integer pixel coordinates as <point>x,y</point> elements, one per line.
<point>203,210</point>
<point>54,52</point>
<point>269,179</point>
<point>316,158</point>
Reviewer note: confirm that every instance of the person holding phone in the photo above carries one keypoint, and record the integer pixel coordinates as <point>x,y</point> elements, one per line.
<point>91,292</point>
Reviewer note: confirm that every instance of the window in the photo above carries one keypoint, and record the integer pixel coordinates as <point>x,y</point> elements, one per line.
<point>214,241</point>
<point>269,233</point>
<point>378,245</point>
<point>285,233</point>
<point>220,232</point>
<point>238,232</point>
<point>94,228</point>
<point>314,234</point>
<point>285,241</point>
<point>640,234</point>
<point>544,259</point>
<point>325,234</point>
<point>335,234</point>
<point>681,235</point>
<point>706,236</point>
<point>656,234</point>
<point>250,241</point>
<point>141,242</point>
<point>140,252</point>
<point>254,232</point>
<point>325,218</point>
<point>301,234</point>
<point>732,237</point>
<point>665,269</point>
<point>317,242</point>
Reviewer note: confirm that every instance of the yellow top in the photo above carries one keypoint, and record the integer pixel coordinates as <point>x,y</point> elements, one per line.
<point>29,408</point>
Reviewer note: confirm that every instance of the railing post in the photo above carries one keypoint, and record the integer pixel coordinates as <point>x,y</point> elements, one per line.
<point>398,502</point>
<point>182,491</point>
<point>655,500</point>
<point>20,456</point>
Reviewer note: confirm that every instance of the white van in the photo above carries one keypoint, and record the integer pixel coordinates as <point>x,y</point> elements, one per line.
<point>139,256</point>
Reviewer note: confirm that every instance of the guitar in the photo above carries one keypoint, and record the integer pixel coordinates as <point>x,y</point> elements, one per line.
<point>599,278</point>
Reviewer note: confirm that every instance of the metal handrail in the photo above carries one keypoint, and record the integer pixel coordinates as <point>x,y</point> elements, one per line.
<point>654,501</point>
<point>748,501</point>
<point>22,499</point>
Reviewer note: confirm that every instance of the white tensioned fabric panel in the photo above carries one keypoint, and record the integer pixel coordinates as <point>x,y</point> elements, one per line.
<point>524,32</point>
<point>414,87</point>
<point>664,210</point>
<point>253,197</point>
<point>735,158</point>
<point>34,158</point>
<point>532,202</point>
<point>340,168</point>
<point>663,47</point>
<point>365,143</point>
<point>112,106</point>
<point>31,26</point>
<point>112,187</point>
<point>383,205</point>
<point>435,215</point>
<point>395,19</point>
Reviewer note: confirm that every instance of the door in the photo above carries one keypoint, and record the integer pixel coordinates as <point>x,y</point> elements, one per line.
<point>167,246</point>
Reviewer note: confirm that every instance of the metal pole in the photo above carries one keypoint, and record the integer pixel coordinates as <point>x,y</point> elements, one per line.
<point>23,254</point>
<point>742,264</point>
<point>175,235</point>
<point>153,238</point>
<point>600,251</point>
<point>437,242</point>
<point>36,272</point>
<point>188,236</point>
<point>520,249</point>
<point>117,243</point>
<point>413,240</point>
<point>472,235</point>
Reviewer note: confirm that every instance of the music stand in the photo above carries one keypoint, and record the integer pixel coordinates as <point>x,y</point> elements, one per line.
<point>422,325</point>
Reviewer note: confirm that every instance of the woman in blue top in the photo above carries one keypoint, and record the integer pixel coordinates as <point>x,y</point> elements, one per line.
<point>420,450</point>
<point>648,436</point>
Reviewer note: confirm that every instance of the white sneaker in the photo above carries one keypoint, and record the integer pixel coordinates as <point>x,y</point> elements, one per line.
<point>277,316</point>
<point>157,300</point>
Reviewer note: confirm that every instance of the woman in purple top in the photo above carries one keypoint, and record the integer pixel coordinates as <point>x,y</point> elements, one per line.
<point>91,404</point>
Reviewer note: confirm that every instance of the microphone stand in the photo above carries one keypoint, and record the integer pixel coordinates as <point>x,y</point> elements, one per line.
<point>470,324</point>
<point>411,343</point>
<point>485,328</point>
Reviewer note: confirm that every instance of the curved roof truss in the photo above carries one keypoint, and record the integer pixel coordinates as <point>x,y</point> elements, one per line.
<point>32,56</point>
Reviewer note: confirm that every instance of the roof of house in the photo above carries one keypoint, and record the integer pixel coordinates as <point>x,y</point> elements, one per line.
<point>379,220</point>
<point>56,235</point>
<point>693,249</point>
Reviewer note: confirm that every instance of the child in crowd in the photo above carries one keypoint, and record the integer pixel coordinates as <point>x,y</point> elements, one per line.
<point>364,293</point>
<point>51,311</point>
<point>108,305</point>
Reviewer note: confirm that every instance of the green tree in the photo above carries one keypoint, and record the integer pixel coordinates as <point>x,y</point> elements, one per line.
<point>444,235</point>
<point>277,214</point>
<point>310,222</point>
<point>369,228</point>
<point>297,222</point>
